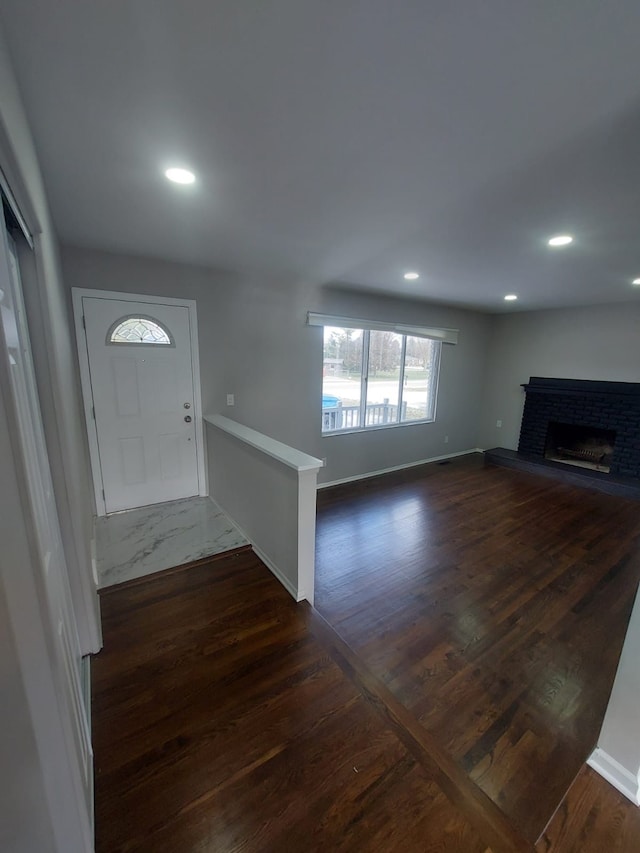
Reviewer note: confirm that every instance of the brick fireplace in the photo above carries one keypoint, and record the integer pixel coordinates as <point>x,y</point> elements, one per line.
<point>580,431</point>
<point>583,422</point>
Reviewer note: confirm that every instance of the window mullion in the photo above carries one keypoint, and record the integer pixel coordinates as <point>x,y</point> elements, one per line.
<point>403,359</point>
<point>364,380</point>
<point>434,377</point>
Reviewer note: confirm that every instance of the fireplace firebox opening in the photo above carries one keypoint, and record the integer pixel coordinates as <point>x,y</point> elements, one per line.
<point>583,446</point>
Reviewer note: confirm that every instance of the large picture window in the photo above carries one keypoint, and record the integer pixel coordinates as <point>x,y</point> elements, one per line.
<point>377,378</point>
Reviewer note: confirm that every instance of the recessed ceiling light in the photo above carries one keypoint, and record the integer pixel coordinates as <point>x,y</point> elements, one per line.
<point>561,240</point>
<point>180,176</point>
<point>636,281</point>
<point>411,276</point>
<point>511,297</point>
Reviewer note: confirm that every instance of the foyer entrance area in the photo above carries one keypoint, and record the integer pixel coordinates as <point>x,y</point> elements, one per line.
<point>144,541</point>
<point>139,368</point>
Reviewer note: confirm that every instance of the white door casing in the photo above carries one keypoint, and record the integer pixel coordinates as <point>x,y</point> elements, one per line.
<point>65,706</point>
<point>142,401</point>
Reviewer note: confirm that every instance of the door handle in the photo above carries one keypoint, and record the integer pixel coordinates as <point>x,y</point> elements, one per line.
<point>187,419</point>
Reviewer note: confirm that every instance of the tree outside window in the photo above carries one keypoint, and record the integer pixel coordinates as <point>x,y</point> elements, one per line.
<point>377,378</point>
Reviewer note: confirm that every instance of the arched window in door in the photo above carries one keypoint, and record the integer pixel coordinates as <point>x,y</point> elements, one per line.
<point>139,330</point>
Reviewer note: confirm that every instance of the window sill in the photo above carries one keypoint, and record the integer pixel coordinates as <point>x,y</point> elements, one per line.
<point>375,427</point>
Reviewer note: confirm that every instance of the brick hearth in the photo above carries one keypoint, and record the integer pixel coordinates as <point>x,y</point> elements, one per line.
<point>603,405</point>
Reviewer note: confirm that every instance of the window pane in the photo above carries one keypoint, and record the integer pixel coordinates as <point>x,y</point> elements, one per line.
<point>383,386</point>
<point>341,378</point>
<point>138,330</point>
<point>420,366</point>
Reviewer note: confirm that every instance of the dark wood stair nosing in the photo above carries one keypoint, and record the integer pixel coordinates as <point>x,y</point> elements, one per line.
<point>171,570</point>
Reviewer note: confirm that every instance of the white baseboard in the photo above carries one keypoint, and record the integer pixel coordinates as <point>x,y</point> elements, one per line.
<point>616,774</point>
<point>397,468</point>
<point>286,583</point>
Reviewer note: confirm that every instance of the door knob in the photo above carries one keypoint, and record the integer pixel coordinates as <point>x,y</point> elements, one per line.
<point>187,419</point>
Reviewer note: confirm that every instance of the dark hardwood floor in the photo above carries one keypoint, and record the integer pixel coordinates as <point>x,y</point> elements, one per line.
<point>593,817</point>
<point>493,605</point>
<point>444,697</point>
<point>222,723</point>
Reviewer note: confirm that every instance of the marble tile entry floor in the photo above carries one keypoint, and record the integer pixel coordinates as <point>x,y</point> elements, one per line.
<point>141,541</point>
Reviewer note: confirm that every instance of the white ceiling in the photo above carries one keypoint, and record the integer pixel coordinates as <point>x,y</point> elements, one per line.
<point>347,140</point>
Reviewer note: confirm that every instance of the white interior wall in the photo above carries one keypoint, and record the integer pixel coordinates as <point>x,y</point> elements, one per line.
<point>38,809</point>
<point>254,343</point>
<point>54,356</point>
<point>270,519</point>
<point>42,769</point>
<point>24,818</point>
<point>618,754</point>
<point>593,342</point>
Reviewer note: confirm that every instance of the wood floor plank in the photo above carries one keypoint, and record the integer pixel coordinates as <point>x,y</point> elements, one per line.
<point>592,817</point>
<point>445,699</point>
<point>493,605</point>
<point>480,810</point>
<point>223,726</point>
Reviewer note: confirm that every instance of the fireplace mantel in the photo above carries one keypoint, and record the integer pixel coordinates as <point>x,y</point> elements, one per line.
<point>546,385</point>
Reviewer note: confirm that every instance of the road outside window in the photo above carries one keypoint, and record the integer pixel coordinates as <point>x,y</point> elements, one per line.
<point>376,378</point>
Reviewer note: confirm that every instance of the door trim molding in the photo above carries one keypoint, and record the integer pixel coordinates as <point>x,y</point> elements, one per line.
<point>40,620</point>
<point>77,294</point>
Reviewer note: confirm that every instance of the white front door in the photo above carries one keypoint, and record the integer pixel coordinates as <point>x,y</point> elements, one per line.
<point>143,399</point>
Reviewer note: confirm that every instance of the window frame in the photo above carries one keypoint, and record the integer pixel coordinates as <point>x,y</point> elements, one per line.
<point>432,390</point>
